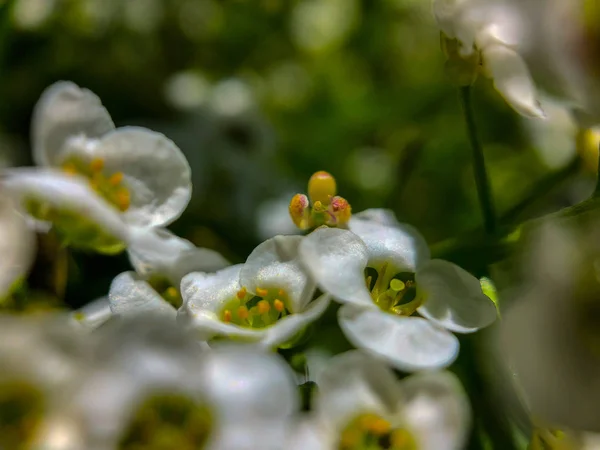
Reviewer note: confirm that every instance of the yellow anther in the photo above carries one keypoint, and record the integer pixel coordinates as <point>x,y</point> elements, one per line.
<point>171,292</point>
<point>241,294</point>
<point>379,426</point>
<point>263,307</point>
<point>278,305</point>
<point>69,168</point>
<point>397,285</point>
<point>123,199</point>
<point>341,209</point>
<point>321,187</point>
<point>226,316</point>
<point>261,292</point>
<point>97,164</point>
<point>243,312</point>
<point>350,438</point>
<point>281,292</point>
<point>115,179</point>
<point>299,211</point>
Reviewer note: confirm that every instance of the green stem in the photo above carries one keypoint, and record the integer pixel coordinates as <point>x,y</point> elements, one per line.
<point>484,190</point>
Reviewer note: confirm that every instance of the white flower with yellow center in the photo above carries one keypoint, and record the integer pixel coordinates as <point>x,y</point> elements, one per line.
<point>489,32</point>
<point>267,300</point>
<point>153,388</point>
<point>361,405</point>
<point>17,246</point>
<point>98,175</point>
<point>160,260</point>
<point>383,274</point>
<point>42,361</point>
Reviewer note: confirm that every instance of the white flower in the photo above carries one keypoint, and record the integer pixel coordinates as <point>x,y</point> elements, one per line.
<point>382,274</point>
<point>153,387</point>
<point>550,335</point>
<point>42,362</point>
<point>494,29</point>
<point>266,300</point>
<point>139,171</point>
<point>361,404</point>
<point>160,260</point>
<point>93,315</point>
<point>17,245</point>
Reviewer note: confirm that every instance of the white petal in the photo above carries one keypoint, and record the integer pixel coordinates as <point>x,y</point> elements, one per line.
<point>65,192</point>
<point>310,434</point>
<point>63,111</point>
<point>157,250</point>
<point>402,245</point>
<point>436,411</point>
<point>407,343</point>
<point>286,328</point>
<point>274,264</point>
<point>155,171</point>
<point>244,383</point>
<point>336,259</point>
<point>251,435</point>
<point>93,315</point>
<point>17,245</point>
<point>453,297</point>
<point>129,294</point>
<point>355,383</point>
<point>378,215</point>
<point>512,79</point>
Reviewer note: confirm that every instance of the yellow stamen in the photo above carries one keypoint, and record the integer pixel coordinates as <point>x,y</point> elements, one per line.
<point>281,292</point>
<point>241,294</point>
<point>123,199</point>
<point>69,169</point>
<point>171,292</point>
<point>261,292</point>
<point>278,305</point>
<point>379,426</point>
<point>263,307</point>
<point>321,187</point>
<point>397,285</point>
<point>243,312</point>
<point>97,164</point>
<point>299,210</point>
<point>227,316</point>
<point>115,179</point>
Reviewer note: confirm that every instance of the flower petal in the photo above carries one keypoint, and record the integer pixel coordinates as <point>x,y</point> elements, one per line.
<point>65,192</point>
<point>407,343</point>
<point>289,326</point>
<point>157,250</point>
<point>64,111</point>
<point>274,263</point>
<point>310,434</point>
<point>17,245</point>
<point>155,171</point>
<point>129,294</point>
<point>378,215</point>
<point>355,383</point>
<point>93,315</point>
<point>400,245</point>
<point>437,410</point>
<point>453,297</point>
<point>512,79</point>
<point>336,259</point>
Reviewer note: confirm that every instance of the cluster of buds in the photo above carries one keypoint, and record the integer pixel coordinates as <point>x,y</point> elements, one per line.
<point>322,206</point>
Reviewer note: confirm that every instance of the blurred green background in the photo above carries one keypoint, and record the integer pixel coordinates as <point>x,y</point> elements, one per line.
<point>259,94</point>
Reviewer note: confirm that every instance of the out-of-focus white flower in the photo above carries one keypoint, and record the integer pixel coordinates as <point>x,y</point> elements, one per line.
<point>550,336</point>
<point>382,273</point>
<point>160,260</point>
<point>493,29</point>
<point>92,315</point>
<point>17,245</point>
<point>361,404</point>
<point>139,171</point>
<point>42,362</point>
<point>266,300</point>
<point>152,387</point>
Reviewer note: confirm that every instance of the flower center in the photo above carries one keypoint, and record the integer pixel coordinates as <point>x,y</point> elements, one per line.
<point>394,292</point>
<point>256,311</point>
<point>168,421</point>
<point>372,432</point>
<point>110,187</point>
<point>166,290</point>
<point>21,412</point>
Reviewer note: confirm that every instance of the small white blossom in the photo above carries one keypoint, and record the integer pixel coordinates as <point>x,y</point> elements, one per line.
<point>382,273</point>
<point>494,29</point>
<point>361,404</point>
<point>267,300</point>
<point>160,260</point>
<point>92,315</point>
<point>150,379</point>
